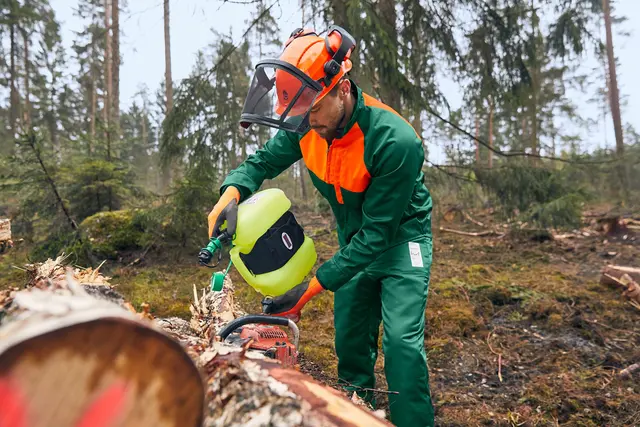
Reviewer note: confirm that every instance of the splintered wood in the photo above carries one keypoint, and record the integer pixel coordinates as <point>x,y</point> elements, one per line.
<point>69,334</point>
<point>626,278</point>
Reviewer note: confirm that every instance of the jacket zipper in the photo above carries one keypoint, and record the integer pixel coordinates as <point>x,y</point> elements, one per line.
<point>336,185</point>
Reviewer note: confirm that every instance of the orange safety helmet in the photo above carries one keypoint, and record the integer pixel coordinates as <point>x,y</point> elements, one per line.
<point>307,69</point>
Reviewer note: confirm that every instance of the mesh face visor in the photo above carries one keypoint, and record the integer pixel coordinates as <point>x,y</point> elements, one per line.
<point>280,96</point>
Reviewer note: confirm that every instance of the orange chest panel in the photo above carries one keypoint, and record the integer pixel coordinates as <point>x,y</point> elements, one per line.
<point>340,164</point>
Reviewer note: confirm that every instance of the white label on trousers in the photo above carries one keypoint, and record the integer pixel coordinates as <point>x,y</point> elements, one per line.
<point>416,254</point>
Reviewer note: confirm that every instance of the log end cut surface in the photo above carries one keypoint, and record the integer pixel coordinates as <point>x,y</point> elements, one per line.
<point>103,372</point>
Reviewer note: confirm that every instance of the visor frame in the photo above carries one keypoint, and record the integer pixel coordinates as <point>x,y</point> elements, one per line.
<point>246,119</point>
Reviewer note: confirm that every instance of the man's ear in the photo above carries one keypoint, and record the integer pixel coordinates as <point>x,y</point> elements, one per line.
<point>345,88</point>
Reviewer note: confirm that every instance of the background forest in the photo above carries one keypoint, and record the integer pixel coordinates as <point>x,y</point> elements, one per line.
<point>69,151</point>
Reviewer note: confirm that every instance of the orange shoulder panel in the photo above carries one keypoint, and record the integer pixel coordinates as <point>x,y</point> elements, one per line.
<point>370,101</point>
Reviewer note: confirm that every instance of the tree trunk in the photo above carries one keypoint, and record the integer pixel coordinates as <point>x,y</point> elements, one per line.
<point>27,106</point>
<point>115,70</point>
<point>73,345</point>
<point>476,141</point>
<point>535,74</point>
<point>107,76</point>
<point>490,132</point>
<point>615,97</point>
<point>146,370</point>
<point>303,184</point>
<point>168,81</point>
<point>12,71</point>
<point>94,102</point>
<point>388,76</point>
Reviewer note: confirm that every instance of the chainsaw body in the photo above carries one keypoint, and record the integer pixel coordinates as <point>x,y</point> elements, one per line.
<point>265,335</point>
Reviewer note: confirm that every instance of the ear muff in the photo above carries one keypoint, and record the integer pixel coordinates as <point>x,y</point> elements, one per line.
<point>347,45</point>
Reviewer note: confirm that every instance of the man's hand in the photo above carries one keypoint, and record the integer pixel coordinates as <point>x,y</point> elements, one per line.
<point>290,303</point>
<point>225,209</point>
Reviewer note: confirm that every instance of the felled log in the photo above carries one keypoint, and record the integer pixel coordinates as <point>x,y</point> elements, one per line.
<point>617,271</point>
<point>246,388</point>
<point>72,355</point>
<point>75,353</point>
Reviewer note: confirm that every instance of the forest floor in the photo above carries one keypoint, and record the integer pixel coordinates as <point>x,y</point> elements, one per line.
<point>518,333</point>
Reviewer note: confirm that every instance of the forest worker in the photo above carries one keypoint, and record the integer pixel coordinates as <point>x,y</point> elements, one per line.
<point>366,160</point>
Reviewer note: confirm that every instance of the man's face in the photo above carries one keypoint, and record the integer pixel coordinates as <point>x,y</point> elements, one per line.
<point>326,115</point>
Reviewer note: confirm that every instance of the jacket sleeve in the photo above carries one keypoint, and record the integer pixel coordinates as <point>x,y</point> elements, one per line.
<point>268,162</point>
<point>395,166</point>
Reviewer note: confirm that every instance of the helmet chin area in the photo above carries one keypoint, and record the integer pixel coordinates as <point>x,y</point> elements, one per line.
<point>280,96</point>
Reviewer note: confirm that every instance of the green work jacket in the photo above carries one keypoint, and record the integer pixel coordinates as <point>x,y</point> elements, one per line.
<point>371,175</point>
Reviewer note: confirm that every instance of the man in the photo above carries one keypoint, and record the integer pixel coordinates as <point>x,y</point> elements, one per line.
<point>366,161</point>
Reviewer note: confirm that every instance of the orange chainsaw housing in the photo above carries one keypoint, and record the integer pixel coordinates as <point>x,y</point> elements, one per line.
<point>272,341</point>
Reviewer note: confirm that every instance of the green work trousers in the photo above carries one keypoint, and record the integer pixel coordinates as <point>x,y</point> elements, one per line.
<point>393,289</point>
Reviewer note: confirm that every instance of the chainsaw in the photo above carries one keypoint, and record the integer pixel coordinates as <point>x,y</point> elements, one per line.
<point>261,332</point>
<point>265,335</point>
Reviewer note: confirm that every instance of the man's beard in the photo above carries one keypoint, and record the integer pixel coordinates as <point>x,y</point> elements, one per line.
<point>329,132</point>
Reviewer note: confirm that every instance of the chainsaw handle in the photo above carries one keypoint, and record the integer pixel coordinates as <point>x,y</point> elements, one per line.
<point>263,319</point>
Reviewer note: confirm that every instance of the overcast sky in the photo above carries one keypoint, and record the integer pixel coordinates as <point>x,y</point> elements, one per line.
<point>142,48</point>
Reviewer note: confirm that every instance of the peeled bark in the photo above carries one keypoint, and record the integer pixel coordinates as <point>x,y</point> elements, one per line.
<point>88,346</point>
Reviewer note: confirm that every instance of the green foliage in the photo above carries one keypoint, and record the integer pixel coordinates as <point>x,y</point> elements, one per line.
<point>542,195</point>
<point>95,185</point>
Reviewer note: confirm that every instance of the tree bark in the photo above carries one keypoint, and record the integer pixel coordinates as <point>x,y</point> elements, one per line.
<point>168,80</point>
<point>115,65</point>
<point>615,97</point>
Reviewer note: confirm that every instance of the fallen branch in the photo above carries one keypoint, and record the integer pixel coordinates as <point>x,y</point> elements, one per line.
<point>617,271</point>
<point>631,288</point>
<point>627,372</point>
<point>473,234</point>
<point>497,354</point>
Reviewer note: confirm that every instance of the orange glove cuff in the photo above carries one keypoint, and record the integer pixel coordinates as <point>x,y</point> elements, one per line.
<point>314,289</point>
